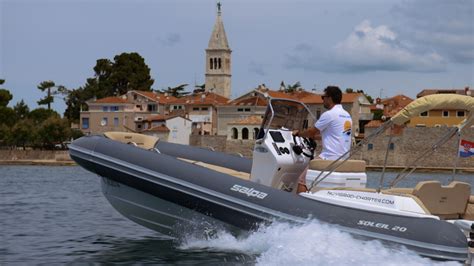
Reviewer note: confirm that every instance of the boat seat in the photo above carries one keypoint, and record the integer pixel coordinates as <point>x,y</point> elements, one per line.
<point>349,166</point>
<point>140,140</point>
<point>447,202</point>
<point>399,191</point>
<point>469,214</point>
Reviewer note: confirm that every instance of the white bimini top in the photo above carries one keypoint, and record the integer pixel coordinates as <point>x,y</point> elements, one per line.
<point>335,126</point>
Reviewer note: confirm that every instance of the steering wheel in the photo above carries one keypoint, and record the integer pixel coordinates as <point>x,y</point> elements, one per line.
<point>305,147</point>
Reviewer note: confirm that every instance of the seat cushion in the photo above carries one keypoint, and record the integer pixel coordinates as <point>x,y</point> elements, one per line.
<point>349,166</point>
<point>440,200</point>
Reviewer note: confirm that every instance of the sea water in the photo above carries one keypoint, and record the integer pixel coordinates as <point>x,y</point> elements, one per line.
<point>59,215</point>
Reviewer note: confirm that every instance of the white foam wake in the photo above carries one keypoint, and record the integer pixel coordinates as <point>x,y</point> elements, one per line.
<point>309,244</point>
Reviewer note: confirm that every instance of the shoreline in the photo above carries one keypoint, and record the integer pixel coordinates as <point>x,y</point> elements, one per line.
<point>373,168</point>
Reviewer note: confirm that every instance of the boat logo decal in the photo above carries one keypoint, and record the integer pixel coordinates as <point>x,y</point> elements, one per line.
<point>382,226</point>
<point>250,192</point>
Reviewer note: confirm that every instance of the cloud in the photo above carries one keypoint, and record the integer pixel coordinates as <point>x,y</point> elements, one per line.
<point>443,26</point>
<point>367,48</point>
<point>171,39</point>
<point>257,68</point>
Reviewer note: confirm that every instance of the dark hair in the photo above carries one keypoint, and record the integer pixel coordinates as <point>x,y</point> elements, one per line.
<point>335,93</point>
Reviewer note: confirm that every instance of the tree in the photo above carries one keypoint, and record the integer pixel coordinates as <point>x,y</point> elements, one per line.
<point>52,90</point>
<point>7,116</point>
<point>5,95</point>
<point>349,90</point>
<point>291,88</point>
<point>40,115</point>
<point>177,91</point>
<point>378,114</point>
<point>4,135</point>
<point>52,131</point>
<point>199,88</point>
<point>22,133</point>
<point>21,109</point>
<point>127,72</point>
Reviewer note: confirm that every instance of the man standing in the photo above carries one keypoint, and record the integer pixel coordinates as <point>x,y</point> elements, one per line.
<point>334,125</point>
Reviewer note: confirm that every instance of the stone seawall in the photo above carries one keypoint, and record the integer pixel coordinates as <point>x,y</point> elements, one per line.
<point>406,148</point>
<point>22,155</point>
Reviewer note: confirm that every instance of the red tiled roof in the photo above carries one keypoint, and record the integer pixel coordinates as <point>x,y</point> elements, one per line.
<point>156,118</point>
<point>115,100</point>
<point>160,128</point>
<point>395,104</point>
<point>202,98</point>
<point>250,101</point>
<point>251,120</point>
<point>164,117</point>
<point>316,98</point>
<point>156,96</point>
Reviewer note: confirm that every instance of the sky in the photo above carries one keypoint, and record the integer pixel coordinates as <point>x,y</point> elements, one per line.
<point>385,47</point>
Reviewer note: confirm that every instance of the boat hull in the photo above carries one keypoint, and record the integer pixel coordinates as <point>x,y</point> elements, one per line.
<point>242,204</point>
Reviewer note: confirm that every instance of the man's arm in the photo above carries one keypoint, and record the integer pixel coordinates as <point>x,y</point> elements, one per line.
<point>308,133</point>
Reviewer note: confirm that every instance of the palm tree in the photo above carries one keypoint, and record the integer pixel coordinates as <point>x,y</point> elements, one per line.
<point>177,91</point>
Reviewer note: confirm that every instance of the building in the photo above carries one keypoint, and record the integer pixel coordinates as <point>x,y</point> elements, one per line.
<point>218,60</point>
<point>201,109</point>
<point>175,128</point>
<point>246,128</point>
<point>124,113</point>
<point>440,118</point>
<point>388,107</point>
<point>251,104</point>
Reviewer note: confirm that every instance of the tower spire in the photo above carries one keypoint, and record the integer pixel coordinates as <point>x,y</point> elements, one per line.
<point>218,59</point>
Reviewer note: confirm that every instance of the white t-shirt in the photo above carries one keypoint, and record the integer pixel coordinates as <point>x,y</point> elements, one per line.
<point>335,127</point>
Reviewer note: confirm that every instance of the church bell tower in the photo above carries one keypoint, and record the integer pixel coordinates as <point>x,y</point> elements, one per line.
<point>218,60</point>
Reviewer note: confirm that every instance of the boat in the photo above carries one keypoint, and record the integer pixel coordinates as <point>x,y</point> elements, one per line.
<point>170,188</point>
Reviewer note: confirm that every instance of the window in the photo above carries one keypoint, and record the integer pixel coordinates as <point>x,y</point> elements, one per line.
<point>205,109</point>
<point>105,108</point>
<point>318,114</point>
<point>391,146</point>
<point>245,133</point>
<point>210,62</point>
<point>152,108</point>
<point>240,109</point>
<point>460,113</point>
<point>195,108</point>
<point>370,146</point>
<point>104,121</point>
<point>174,132</point>
<point>247,109</point>
<point>116,121</point>
<point>85,122</point>
<point>220,64</point>
<point>445,113</point>
<point>424,113</point>
<point>235,133</point>
<point>114,108</point>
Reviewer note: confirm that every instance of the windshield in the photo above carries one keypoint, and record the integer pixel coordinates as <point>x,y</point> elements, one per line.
<point>285,114</point>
